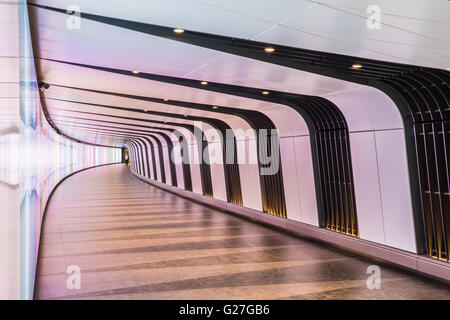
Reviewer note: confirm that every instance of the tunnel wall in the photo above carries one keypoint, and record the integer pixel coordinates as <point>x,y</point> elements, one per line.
<point>34,158</point>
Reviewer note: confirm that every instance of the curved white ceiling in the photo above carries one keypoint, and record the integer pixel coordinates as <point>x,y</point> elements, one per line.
<point>415,31</point>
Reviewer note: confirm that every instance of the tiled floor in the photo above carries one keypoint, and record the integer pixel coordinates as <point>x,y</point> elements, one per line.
<point>134,241</point>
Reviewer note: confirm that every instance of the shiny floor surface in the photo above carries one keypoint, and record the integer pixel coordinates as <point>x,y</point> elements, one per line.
<point>133,241</point>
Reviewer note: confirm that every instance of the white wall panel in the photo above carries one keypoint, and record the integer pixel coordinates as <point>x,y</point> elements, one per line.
<point>217,170</point>
<point>158,164</point>
<point>178,164</point>
<point>396,199</point>
<point>380,168</point>
<point>167,164</point>
<point>249,173</point>
<point>308,203</point>
<point>145,149</point>
<point>367,186</point>
<point>195,169</point>
<point>215,155</point>
<point>291,189</point>
<point>150,158</point>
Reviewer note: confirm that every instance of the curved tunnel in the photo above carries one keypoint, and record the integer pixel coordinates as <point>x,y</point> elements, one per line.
<point>343,144</point>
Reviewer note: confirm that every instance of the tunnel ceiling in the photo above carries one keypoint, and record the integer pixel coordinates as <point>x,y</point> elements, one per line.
<point>341,29</point>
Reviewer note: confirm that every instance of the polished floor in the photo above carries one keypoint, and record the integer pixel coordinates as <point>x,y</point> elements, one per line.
<point>134,241</point>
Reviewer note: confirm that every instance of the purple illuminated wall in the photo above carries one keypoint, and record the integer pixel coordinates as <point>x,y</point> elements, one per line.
<point>33,158</point>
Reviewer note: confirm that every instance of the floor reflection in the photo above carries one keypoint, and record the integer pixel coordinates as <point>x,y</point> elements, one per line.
<point>134,241</point>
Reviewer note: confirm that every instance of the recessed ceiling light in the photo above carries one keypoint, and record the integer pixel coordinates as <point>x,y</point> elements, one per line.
<point>265,93</point>
<point>215,107</point>
<point>166,99</point>
<point>178,30</point>
<point>356,66</point>
<point>204,83</point>
<point>165,121</point>
<point>269,49</point>
<point>135,72</point>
